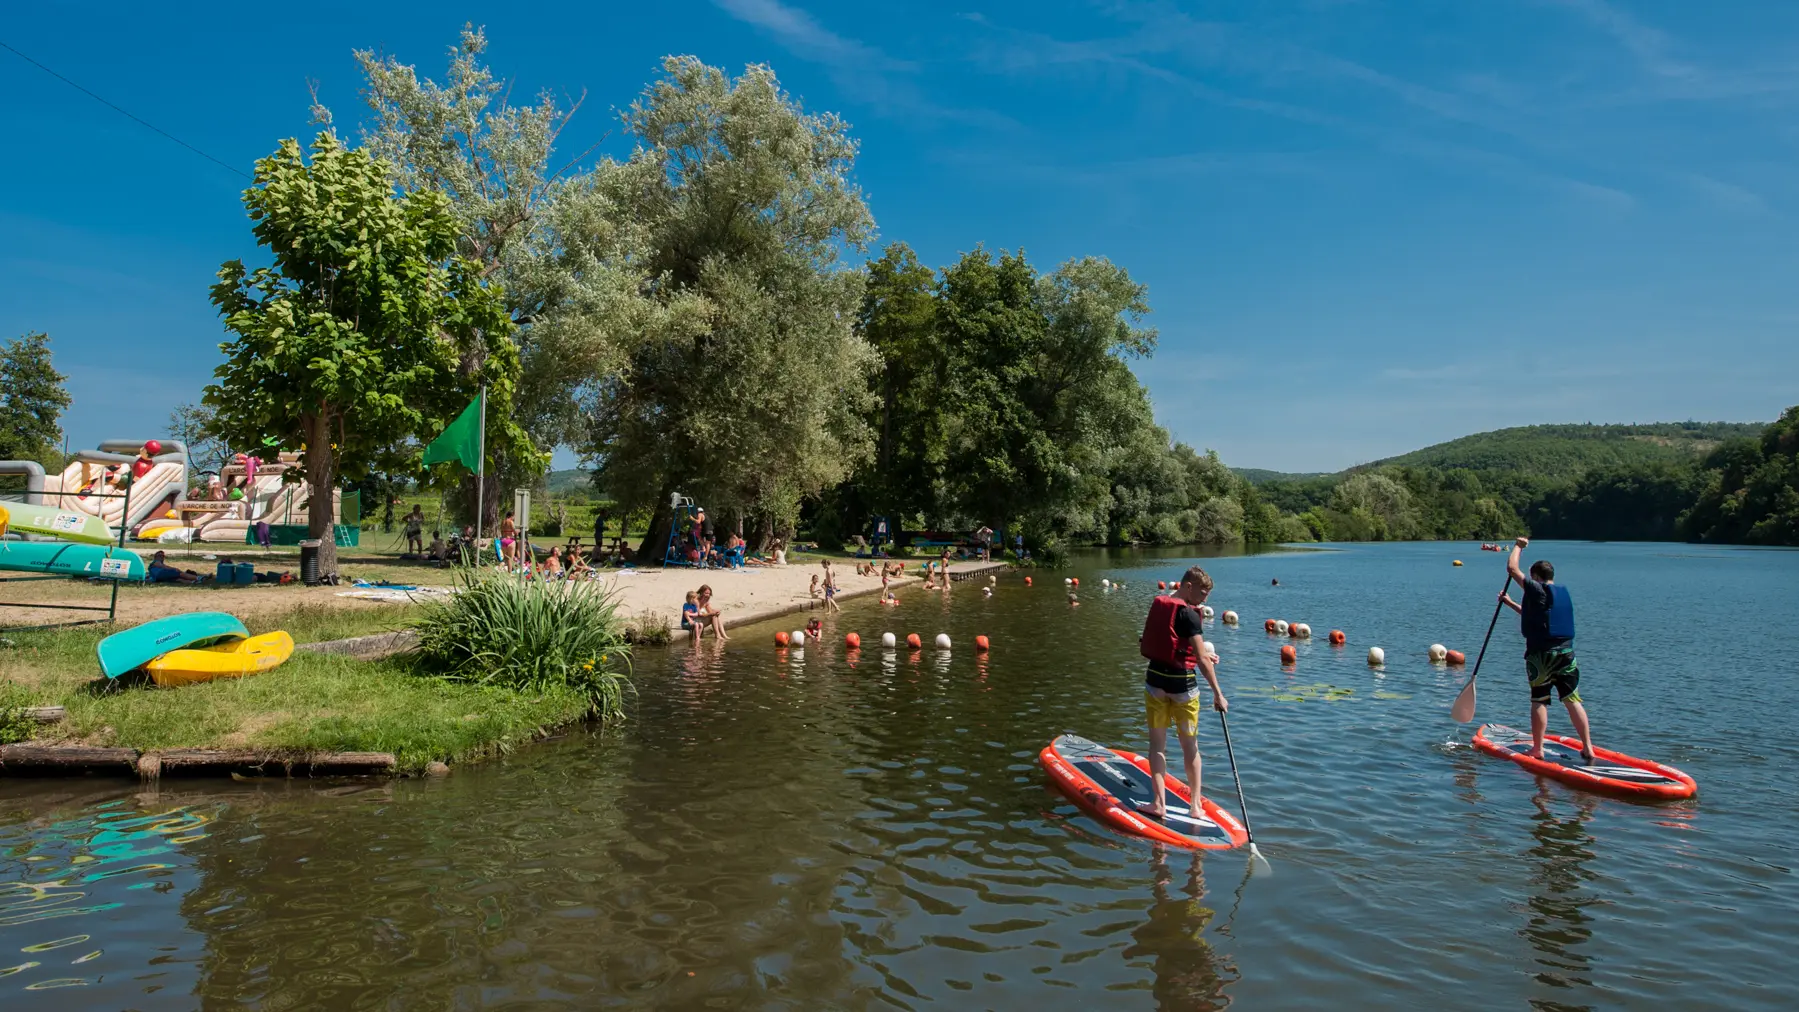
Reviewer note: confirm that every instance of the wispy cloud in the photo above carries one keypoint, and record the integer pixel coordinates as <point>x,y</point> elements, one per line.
<point>1726,196</point>
<point>803,36</point>
<point>1649,45</point>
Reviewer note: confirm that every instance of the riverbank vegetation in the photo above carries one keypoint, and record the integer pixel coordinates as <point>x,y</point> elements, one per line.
<point>314,702</point>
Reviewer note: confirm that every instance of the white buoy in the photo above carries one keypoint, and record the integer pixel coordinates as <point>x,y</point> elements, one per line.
<point>1206,610</point>
<point>943,641</point>
<point>1376,657</point>
<point>1280,627</point>
<point>1230,618</point>
<point>1067,581</point>
<point>798,637</point>
<point>1105,582</point>
<point>889,640</point>
<point>992,580</point>
<point>1305,631</point>
<point>1211,650</point>
<point>1437,652</point>
<point>987,591</point>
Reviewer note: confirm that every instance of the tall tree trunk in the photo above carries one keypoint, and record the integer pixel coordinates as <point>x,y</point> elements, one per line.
<point>655,541</point>
<point>321,472</point>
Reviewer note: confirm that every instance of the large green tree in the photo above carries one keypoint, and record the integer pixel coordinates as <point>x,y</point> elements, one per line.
<point>1751,489</point>
<point>349,343</point>
<point>752,393</point>
<point>32,399</point>
<point>567,258</point>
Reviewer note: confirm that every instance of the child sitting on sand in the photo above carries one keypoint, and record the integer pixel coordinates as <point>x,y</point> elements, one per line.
<point>690,616</point>
<point>815,585</point>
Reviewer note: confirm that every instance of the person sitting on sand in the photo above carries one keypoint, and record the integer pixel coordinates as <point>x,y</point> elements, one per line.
<point>815,585</point>
<point>690,616</point>
<point>437,551</point>
<point>552,567</point>
<point>577,567</point>
<point>159,571</point>
<point>711,615</point>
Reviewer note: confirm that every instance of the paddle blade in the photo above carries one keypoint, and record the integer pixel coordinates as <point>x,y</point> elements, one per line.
<point>1258,865</point>
<point>1463,710</point>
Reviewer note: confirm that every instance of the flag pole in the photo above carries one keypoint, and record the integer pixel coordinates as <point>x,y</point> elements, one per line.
<point>481,473</point>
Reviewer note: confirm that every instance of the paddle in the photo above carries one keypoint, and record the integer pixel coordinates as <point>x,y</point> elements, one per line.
<point>1463,710</point>
<point>1258,865</point>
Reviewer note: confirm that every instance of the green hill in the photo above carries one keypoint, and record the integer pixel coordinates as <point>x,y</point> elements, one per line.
<point>1259,476</point>
<point>571,482</point>
<point>1568,451</point>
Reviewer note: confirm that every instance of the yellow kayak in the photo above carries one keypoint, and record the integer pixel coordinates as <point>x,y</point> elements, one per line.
<point>233,659</point>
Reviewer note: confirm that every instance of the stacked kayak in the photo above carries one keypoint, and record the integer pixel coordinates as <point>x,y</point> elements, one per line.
<point>69,525</point>
<point>60,558</point>
<point>196,647</point>
<point>1611,772</point>
<point>1114,787</point>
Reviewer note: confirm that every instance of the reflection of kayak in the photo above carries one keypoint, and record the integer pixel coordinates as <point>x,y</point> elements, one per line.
<point>1612,773</point>
<point>60,558</point>
<point>1115,788</point>
<point>69,525</point>
<point>231,659</point>
<point>135,647</point>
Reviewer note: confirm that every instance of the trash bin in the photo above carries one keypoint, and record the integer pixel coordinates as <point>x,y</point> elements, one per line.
<point>309,563</point>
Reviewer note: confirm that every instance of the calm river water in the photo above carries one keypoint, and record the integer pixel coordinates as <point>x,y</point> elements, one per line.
<point>827,831</point>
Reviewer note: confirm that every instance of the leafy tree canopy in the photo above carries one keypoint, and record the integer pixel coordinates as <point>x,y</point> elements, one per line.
<point>32,399</point>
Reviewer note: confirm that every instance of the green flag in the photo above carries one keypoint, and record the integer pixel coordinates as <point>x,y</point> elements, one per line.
<point>461,440</point>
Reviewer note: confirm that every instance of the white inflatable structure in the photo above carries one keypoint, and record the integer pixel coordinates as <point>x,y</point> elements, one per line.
<point>87,483</point>
<point>267,498</point>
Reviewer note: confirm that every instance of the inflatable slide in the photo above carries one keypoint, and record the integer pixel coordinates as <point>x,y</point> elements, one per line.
<point>86,484</point>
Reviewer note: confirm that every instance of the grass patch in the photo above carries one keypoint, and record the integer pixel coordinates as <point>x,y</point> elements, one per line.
<point>314,701</point>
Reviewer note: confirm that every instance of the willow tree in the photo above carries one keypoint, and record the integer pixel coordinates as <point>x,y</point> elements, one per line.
<point>348,344</point>
<point>568,259</point>
<point>753,393</point>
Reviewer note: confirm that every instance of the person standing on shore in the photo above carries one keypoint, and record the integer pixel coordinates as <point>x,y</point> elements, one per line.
<point>1546,616</point>
<point>1173,643</point>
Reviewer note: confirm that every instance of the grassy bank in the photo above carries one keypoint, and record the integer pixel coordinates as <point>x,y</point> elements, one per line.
<point>313,702</point>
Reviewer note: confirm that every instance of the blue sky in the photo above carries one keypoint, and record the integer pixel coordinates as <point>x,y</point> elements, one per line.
<point>1365,227</point>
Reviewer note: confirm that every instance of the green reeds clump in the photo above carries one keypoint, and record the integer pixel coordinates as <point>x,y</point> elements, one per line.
<point>499,630</point>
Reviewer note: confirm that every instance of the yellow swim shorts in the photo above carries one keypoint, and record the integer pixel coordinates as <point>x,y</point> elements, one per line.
<point>1179,710</point>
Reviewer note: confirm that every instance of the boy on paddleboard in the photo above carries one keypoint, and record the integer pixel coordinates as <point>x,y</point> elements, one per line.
<point>1547,619</point>
<point>1173,643</point>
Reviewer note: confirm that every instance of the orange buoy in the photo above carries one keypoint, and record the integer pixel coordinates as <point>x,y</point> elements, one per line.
<point>1268,625</point>
<point>1161,584</point>
<point>1027,581</point>
<point>1293,629</point>
<point>1075,580</point>
<point>852,640</point>
<point>1337,638</point>
<point>781,638</point>
<point>913,641</point>
<point>1289,655</point>
<point>981,644</point>
<point>1456,657</point>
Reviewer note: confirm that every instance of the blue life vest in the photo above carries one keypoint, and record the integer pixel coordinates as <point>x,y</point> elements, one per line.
<point>1561,612</point>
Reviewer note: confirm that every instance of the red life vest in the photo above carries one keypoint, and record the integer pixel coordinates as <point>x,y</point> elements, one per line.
<point>1160,643</point>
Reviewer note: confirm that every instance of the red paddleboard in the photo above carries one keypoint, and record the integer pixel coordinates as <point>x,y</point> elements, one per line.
<point>1115,787</point>
<point>1612,773</point>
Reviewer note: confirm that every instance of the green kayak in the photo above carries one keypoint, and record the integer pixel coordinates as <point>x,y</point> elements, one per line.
<point>138,646</point>
<point>69,525</point>
<point>59,558</point>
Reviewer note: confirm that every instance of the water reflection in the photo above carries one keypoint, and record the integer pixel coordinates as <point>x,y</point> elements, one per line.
<point>1559,925</point>
<point>1172,938</point>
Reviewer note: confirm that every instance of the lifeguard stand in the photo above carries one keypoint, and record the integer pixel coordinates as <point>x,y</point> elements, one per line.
<point>682,511</point>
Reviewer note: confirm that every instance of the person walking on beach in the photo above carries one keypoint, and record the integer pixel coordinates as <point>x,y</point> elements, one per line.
<point>1173,643</point>
<point>1546,616</point>
<point>830,586</point>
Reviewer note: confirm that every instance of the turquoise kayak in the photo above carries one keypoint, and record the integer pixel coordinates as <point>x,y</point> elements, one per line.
<point>59,558</point>
<point>138,646</point>
<point>69,525</point>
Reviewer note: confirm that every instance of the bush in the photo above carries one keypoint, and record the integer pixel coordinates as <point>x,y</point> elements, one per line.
<point>499,630</point>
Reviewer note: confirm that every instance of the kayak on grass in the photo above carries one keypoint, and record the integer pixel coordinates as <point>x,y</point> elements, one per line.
<point>230,659</point>
<point>69,525</point>
<point>139,645</point>
<point>61,558</point>
<point>1114,787</point>
<point>1612,773</point>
